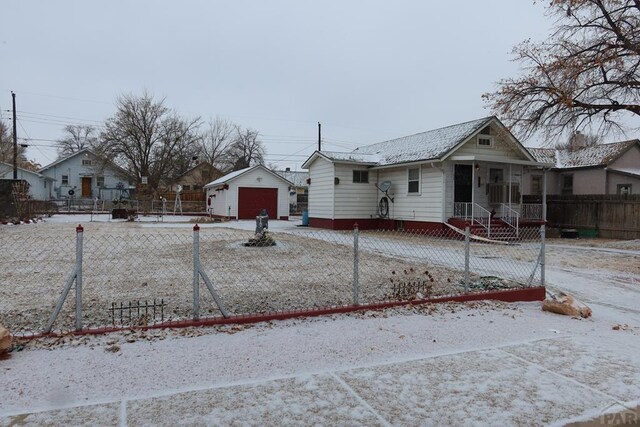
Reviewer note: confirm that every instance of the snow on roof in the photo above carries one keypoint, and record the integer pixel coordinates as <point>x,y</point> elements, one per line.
<point>428,145</point>
<point>299,179</point>
<point>350,157</point>
<point>6,168</point>
<point>228,177</point>
<point>628,171</point>
<point>599,155</point>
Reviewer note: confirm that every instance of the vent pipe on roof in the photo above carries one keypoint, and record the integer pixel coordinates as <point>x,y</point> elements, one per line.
<point>578,140</point>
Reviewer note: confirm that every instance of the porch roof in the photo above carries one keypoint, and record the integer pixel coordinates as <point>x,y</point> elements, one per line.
<point>490,159</point>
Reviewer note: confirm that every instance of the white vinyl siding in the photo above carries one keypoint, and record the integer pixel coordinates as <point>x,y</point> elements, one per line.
<point>427,206</point>
<point>321,189</point>
<point>354,200</point>
<point>500,148</point>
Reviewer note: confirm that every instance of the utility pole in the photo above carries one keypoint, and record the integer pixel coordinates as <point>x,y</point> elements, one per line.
<point>319,137</point>
<point>15,138</point>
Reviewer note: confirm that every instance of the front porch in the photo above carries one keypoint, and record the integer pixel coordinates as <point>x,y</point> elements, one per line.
<point>502,223</point>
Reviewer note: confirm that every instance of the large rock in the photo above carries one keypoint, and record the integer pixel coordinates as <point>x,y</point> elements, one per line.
<point>6,341</point>
<point>562,303</point>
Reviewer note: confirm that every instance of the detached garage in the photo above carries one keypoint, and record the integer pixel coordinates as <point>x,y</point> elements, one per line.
<point>244,193</point>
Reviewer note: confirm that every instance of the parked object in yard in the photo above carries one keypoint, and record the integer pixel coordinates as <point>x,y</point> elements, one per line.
<point>6,340</point>
<point>565,304</point>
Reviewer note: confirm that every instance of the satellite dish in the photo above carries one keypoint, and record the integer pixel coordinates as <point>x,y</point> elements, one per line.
<point>384,186</point>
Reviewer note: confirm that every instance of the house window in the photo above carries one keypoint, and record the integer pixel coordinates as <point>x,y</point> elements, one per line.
<point>414,180</point>
<point>186,188</point>
<point>361,176</point>
<point>100,181</point>
<point>485,141</point>
<point>567,184</point>
<point>196,187</point>
<point>496,176</point>
<point>624,189</point>
<point>87,162</point>
<point>65,180</point>
<point>536,185</point>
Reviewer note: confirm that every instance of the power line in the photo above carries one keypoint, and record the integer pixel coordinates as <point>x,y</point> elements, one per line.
<point>58,117</point>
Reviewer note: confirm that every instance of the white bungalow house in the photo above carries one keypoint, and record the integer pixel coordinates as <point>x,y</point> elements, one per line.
<point>86,175</point>
<point>469,172</point>
<point>244,193</point>
<point>40,186</point>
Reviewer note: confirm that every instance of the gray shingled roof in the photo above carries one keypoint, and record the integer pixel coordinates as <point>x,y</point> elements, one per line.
<point>599,155</point>
<point>429,145</point>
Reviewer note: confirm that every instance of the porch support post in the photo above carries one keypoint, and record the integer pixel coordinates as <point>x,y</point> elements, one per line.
<point>510,178</point>
<point>473,190</point>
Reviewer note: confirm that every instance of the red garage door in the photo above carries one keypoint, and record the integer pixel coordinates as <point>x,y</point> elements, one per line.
<point>252,200</point>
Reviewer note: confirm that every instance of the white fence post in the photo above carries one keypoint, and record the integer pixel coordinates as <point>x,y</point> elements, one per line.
<point>196,276</point>
<point>467,244</point>
<point>75,276</point>
<point>543,233</point>
<point>79,234</point>
<point>356,285</point>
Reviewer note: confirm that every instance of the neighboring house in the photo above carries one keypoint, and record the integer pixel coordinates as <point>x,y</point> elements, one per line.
<point>86,175</point>
<point>453,174</point>
<point>40,186</point>
<point>299,194</point>
<point>601,169</point>
<point>196,178</point>
<point>243,193</point>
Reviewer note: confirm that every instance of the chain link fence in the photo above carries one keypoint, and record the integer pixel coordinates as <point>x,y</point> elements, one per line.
<point>124,274</point>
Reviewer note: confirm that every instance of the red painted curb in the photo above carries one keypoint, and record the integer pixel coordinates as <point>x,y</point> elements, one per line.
<point>508,295</point>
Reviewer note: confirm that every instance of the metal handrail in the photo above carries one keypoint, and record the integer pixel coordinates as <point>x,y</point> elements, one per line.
<point>510,216</point>
<point>463,210</point>
<point>531,211</point>
<point>484,220</point>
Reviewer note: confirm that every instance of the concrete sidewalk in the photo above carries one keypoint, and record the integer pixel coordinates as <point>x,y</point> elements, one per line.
<point>538,383</point>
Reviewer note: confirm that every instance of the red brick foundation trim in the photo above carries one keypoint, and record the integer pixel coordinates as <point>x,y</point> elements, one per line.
<point>374,224</point>
<point>509,295</point>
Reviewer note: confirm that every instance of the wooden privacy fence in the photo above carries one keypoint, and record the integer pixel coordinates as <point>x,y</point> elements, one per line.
<point>185,196</point>
<point>610,215</point>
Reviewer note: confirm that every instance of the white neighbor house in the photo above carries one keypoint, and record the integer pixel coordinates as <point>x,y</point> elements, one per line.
<point>87,175</point>
<point>456,174</point>
<point>243,193</point>
<point>40,186</point>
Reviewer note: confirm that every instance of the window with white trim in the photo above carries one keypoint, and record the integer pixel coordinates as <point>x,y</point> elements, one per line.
<point>413,180</point>
<point>100,181</point>
<point>64,180</point>
<point>87,162</point>
<point>360,176</point>
<point>485,141</point>
<point>624,189</point>
<point>536,185</point>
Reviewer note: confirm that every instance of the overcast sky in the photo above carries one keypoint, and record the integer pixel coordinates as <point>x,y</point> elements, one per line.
<point>367,70</point>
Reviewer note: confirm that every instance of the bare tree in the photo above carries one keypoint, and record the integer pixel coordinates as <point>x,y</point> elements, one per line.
<point>77,137</point>
<point>6,147</point>
<point>148,139</point>
<point>585,76</point>
<point>216,142</point>
<point>247,149</point>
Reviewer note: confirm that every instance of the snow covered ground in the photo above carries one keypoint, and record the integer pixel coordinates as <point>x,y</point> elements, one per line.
<point>452,364</point>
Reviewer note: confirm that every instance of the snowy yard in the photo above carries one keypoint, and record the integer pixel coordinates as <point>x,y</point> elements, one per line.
<point>483,363</point>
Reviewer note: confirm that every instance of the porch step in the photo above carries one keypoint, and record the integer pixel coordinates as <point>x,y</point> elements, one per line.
<point>499,229</point>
